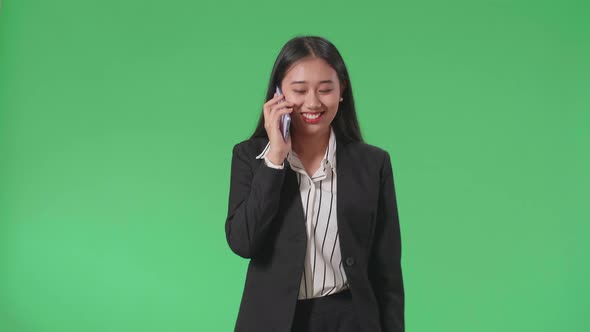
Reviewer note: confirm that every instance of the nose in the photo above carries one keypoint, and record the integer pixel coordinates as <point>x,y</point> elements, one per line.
<point>313,101</point>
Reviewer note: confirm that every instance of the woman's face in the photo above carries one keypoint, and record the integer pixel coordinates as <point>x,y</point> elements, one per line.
<point>313,86</point>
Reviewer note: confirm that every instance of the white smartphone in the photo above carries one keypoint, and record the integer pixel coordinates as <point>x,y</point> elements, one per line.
<point>285,119</point>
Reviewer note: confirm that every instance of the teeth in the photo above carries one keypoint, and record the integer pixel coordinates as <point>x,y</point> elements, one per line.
<point>311,116</point>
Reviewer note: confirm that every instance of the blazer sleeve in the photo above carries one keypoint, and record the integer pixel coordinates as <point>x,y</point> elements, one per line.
<point>385,263</point>
<point>254,197</point>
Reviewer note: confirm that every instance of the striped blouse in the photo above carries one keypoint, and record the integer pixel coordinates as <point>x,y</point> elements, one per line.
<point>323,273</point>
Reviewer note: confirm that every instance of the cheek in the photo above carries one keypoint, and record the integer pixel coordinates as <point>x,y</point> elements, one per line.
<point>332,104</point>
<point>332,101</point>
<point>298,102</point>
<point>295,98</point>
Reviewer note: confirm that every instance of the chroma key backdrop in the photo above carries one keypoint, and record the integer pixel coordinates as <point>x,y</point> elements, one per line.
<point>118,118</point>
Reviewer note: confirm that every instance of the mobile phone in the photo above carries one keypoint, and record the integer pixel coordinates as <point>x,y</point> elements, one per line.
<point>285,119</point>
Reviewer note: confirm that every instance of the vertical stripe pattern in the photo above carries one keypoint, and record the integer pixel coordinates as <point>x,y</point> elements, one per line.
<point>323,273</point>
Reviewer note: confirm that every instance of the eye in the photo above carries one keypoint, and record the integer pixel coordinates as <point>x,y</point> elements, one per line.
<point>326,91</point>
<point>299,91</point>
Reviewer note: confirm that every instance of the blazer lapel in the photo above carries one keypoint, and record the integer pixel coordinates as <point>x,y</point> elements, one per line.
<point>295,223</point>
<point>344,194</point>
<point>345,198</point>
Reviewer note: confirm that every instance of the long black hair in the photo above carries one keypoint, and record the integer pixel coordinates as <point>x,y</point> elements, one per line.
<point>345,123</point>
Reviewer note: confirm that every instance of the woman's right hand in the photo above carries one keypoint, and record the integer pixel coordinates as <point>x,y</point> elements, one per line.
<point>273,110</point>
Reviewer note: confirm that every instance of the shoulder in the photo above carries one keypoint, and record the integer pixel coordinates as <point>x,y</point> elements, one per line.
<point>368,158</point>
<point>366,151</point>
<point>251,147</point>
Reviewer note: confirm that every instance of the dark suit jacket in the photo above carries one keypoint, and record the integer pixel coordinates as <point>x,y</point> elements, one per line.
<point>265,223</point>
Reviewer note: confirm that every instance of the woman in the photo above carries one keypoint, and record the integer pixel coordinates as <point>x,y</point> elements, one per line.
<point>316,213</point>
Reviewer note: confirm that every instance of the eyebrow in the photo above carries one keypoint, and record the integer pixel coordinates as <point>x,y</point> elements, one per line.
<point>324,81</point>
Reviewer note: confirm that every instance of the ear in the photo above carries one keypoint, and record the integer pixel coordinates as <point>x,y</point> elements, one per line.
<point>342,87</point>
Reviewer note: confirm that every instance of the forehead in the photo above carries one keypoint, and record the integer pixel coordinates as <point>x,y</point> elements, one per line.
<point>311,70</point>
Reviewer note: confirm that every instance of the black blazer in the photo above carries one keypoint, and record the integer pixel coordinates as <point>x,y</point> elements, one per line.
<point>265,223</point>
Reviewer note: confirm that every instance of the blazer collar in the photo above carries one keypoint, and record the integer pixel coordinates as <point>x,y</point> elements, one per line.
<point>349,212</point>
<point>293,159</point>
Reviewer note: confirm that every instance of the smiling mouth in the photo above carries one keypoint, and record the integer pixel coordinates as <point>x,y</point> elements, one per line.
<point>312,117</point>
<point>311,114</point>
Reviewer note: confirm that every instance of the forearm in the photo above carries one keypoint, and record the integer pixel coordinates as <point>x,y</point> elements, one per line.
<point>253,204</point>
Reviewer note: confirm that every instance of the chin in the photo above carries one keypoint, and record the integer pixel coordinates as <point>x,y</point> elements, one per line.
<point>313,130</point>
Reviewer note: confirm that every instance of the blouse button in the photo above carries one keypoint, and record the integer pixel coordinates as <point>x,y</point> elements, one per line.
<point>349,261</point>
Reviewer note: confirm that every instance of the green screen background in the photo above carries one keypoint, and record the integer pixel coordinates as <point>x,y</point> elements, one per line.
<point>117,120</point>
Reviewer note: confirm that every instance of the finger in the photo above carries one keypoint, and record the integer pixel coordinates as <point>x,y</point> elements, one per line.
<point>286,110</point>
<point>266,111</point>
<point>278,108</point>
<point>275,99</point>
<point>286,103</point>
<point>277,115</point>
<point>282,105</point>
<point>271,103</point>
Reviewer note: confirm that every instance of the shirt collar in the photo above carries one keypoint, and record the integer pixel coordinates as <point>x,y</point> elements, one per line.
<point>329,156</point>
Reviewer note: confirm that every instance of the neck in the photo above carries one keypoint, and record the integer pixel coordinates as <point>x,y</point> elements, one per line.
<point>311,146</point>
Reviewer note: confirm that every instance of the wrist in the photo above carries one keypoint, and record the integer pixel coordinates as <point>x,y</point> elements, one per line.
<point>275,159</point>
<point>272,165</point>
